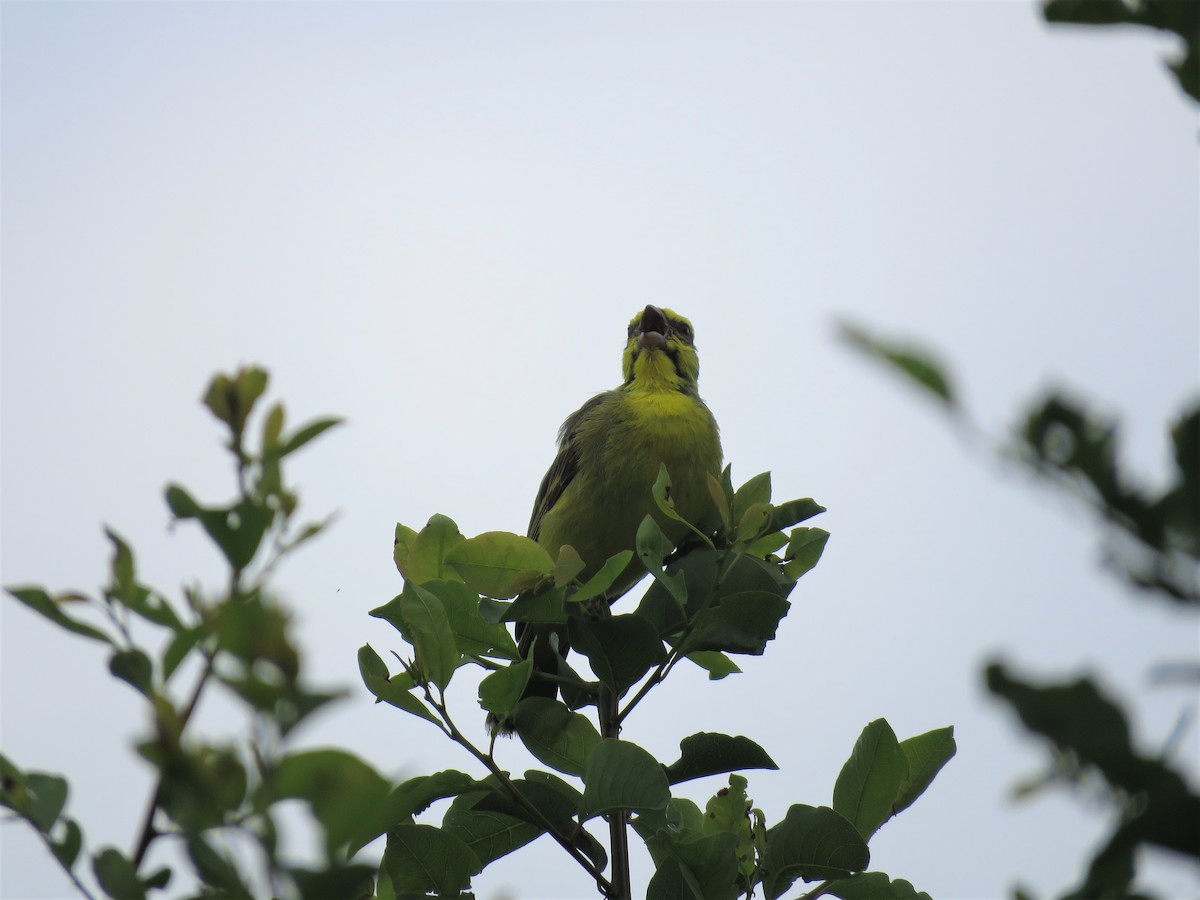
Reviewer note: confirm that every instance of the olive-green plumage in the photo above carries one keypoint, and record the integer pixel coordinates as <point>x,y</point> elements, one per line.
<point>598,488</point>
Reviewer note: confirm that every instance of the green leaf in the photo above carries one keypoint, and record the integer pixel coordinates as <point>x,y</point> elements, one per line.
<point>46,797</point>
<point>66,848</point>
<point>237,530</point>
<point>874,886</point>
<point>117,875</point>
<point>755,491</point>
<point>652,545</point>
<point>717,664</point>
<point>792,512</point>
<point>543,605</point>
<point>754,521</point>
<point>40,602</point>
<point>473,635</point>
<point>500,691</point>
<point>408,799</point>
<point>488,833</point>
<point>603,580</point>
<point>427,551</point>
<point>556,736</point>
<point>721,500</point>
<point>703,868</point>
<point>306,433</point>
<point>568,566</point>
<point>340,788</point>
<point>915,363</point>
<point>135,668</point>
<point>215,870</point>
<point>393,691</point>
<point>433,642</point>
<point>926,754</point>
<point>871,779</point>
<point>231,398</point>
<point>620,649</point>
<point>739,623</point>
<point>708,753</point>
<point>178,649</point>
<point>500,565</point>
<point>401,547</point>
<point>336,880</point>
<point>728,813</point>
<point>804,550</point>
<point>421,859</point>
<point>811,843</point>
<point>621,775</point>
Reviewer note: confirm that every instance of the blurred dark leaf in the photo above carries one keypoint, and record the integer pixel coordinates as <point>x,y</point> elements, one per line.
<point>708,753</point>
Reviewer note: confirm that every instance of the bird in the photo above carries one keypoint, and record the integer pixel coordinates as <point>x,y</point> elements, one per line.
<point>598,489</point>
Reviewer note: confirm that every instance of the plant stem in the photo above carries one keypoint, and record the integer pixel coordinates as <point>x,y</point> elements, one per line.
<point>618,819</point>
<point>517,797</point>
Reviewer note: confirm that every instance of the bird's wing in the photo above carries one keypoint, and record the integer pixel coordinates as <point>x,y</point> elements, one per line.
<point>565,466</point>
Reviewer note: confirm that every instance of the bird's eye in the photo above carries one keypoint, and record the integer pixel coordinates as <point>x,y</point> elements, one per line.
<point>684,330</point>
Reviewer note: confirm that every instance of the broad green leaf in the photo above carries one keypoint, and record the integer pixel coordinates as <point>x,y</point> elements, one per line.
<point>500,565</point>
<point>603,580</point>
<point>926,754</point>
<point>708,753</point>
<point>236,530</point>
<point>756,490</point>
<point>427,551</point>
<point>871,779</point>
<point>66,848</point>
<point>728,813</point>
<point>500,691</point>
<point>621,775</point>
<point>568,565</point>
<point>721,500</point>
<point>216,870</point>
<point>767,544</point>
<point>341,789</point>
<point>117,875</point>
<point>177,650</point>
<point>134,667</point>
<point>393,691</point>
<point>652,545</point>
<point>874,886</point>
<point>432,639</point>
<point>702,868</point>
<point>558,737</point>
<point>46,796</point>
<point>335,880</point>
<point>715,663</point>
<point>620,649</point>
<point>543,606</point>
<point>916,363</point>
<point>739,623</point>
<point>421,859</point>
<point>406,800</point>
<point>754,521</point>
<point>41,602</point>
<point>811,843</point>
<point>472,634</point>
<point>401,547</point>
<point>792,512</point>
<point>489,834</point>
<point>804,550</point>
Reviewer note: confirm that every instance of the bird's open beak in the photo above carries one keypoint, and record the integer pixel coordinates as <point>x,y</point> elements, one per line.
<point>654,329</point>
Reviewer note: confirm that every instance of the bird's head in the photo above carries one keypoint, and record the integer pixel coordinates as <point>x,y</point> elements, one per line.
<point>661,352</point>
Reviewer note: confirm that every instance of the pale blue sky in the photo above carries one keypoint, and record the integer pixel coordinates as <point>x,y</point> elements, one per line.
<point>436,219</point>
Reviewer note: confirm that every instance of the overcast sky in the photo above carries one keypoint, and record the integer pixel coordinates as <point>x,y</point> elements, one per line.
<point>436,219</point>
